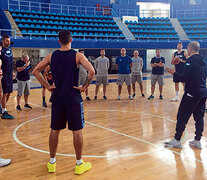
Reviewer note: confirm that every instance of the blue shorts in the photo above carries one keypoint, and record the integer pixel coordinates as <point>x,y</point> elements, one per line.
<point>7,83</point>
<point>72,114</point>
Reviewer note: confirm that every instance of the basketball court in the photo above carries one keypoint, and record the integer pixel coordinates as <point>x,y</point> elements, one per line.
<point>123,139</point>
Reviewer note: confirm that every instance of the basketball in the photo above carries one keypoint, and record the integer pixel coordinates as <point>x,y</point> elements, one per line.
<point>176,61</point>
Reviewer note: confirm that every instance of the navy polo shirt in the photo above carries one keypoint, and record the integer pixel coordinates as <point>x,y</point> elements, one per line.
<point>158,70</point>
<point>23,75</point>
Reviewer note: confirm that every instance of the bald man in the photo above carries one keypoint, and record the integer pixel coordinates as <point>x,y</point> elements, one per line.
<point>23,83</point>
<point>194,98</point>
<point>124,64</point>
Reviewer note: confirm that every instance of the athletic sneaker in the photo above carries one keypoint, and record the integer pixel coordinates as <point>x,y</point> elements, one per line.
<point>95,98</point>
<point>119,97</point>
<point>0,109</point>
<point>51,167</point>
<point>173,143</point>
<point>18,107</point>
<point>105,97</point>
<point>205,110</point>
<point>4,162</point>
<point>161,97</point>
<point>130,97</point>
<point>151,97</point>
<point>176,98</point>
<point>195,143</point>
<point>27,106</point>
<point>44,104</point>
<point>6,115</point>
<point>134,95</point>
<point>88,99</point>
<point>85,166</point>
<point>143,95</point>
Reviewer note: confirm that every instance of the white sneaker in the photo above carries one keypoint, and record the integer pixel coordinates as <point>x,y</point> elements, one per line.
<point>173,143</point>
<point>119,97</point>
<point>195,143</point>
<point>176,98</point>
<point>4,162</point>
<point>130,97</point>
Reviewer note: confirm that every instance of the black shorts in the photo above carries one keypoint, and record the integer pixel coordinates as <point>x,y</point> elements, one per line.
<point>7,83</point>
<point>72,114</point>
<point>176,80</point>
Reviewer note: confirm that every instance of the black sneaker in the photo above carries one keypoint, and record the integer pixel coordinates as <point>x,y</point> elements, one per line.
<point>27,106</point>
<point>95,98</point>
<point>105,97</point>
<point>6,115</point>
<point>134,95</point>
<point>44,104</point>
<point>88,99</point>
<point>143,95</point>
<point>151,97</point>
<point>161,97</point>
<point>19,108</point>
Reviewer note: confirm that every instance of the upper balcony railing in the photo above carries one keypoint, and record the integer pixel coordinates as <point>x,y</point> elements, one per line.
<point>59,8</point>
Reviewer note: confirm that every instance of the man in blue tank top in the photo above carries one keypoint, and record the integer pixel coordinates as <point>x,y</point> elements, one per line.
<point>7,80</point>
<point>67,105</point>
<point>181,56</point>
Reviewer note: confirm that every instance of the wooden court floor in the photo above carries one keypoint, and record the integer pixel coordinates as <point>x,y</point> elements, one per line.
<point>123,140</point>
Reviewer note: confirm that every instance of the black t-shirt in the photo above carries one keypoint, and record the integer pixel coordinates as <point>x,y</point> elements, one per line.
<point>23,75</point>
<point>157,70</point>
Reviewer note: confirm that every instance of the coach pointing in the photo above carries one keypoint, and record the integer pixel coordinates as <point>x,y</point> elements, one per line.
<point>194,98</point>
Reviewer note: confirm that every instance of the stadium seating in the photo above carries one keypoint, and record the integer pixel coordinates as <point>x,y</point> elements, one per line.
<point>195,27</point>
<point>153,29</point>
<point>41,23</point>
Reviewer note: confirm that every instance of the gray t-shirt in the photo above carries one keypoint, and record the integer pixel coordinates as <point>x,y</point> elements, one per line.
<point>102,66</point>
<point>137,65</point>
<point>82,70</point>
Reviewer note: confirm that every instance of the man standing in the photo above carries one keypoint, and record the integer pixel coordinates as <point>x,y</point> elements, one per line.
<point>23,81</point>
<point>3,162</point>
<point>67,104</point>
<point>157,64</point>
<point>179,67</point>
<point>101,65</point>
<point>83,76</point>
<point>136,75</point>
<point>124,63</point>
<point>194,98</point>
<point>8,75</point>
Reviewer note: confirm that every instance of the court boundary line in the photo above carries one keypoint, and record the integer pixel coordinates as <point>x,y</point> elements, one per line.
<point>164,148</point>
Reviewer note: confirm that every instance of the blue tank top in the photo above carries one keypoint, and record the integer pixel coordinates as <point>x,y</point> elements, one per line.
<point>180,67</point>
<point>7,60</point>
<point>65,76</point>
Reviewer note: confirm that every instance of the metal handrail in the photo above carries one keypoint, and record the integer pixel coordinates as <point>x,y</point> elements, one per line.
<point>61,8</point>
<point>142,13</point>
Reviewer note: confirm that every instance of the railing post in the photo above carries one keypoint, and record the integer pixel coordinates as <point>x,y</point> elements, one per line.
<point>29,6</point>
<point>49,8</point>
<point>61,9</point>
<point>19,4</point>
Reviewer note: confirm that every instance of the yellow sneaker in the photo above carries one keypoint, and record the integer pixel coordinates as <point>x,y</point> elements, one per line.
<point>85,166</point>
<point>51,167</point>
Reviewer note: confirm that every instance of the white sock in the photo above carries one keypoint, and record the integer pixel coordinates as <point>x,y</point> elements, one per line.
<point>3,110</point>
<point>79,162</point>
<point>176,92</point>
<point>52,160</point>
